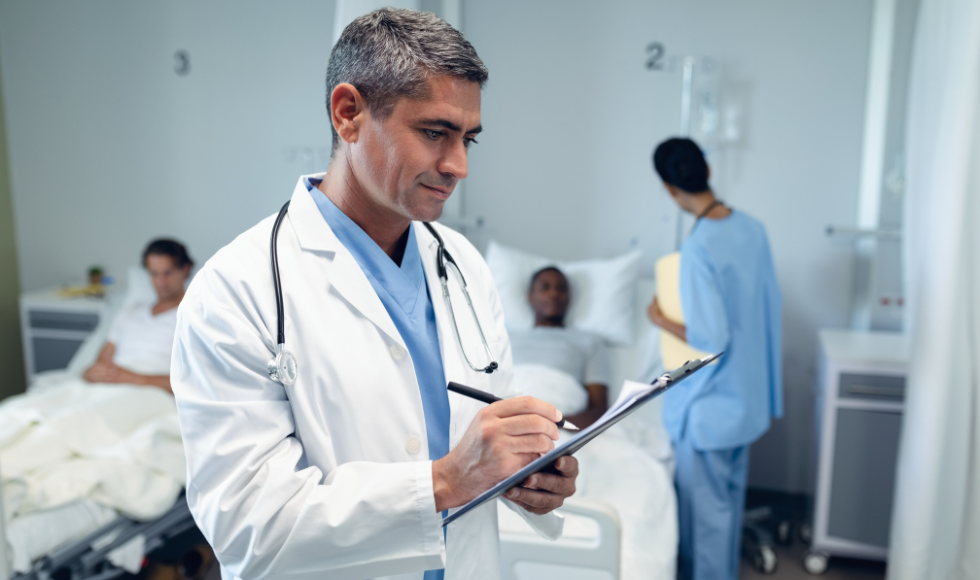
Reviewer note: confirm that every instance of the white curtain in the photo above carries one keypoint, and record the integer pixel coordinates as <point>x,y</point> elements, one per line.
<point>936,521</point>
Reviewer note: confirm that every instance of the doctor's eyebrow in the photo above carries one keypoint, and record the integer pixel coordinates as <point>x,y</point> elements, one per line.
<point>451,126</point>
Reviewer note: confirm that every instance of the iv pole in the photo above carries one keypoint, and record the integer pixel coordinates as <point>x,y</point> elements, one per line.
<point>686,90</point>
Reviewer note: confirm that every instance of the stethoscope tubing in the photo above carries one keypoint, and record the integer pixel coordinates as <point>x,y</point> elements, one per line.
<point>276,368</point>
<point>280,311</point>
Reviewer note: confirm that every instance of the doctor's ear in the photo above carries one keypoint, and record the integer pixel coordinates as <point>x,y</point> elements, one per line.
<point>347,110</point>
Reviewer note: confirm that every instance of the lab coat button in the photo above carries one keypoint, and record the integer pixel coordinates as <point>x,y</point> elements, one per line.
<point>397,352</point>
<point>413,445</point>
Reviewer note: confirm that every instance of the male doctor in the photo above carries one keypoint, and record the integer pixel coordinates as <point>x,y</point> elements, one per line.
<point>347,472</point>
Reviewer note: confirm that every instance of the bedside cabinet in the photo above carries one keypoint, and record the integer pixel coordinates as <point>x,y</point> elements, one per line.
<point>54,328</point>
<point>860,403</point>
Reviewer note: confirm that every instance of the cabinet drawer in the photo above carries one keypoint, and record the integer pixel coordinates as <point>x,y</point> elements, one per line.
<point>53,353</point>
<point>872,387</point>
<point>52,319</point>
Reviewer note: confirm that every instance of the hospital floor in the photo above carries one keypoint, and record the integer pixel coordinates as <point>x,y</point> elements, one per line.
<point>791,567</point>
<point>790,558</point>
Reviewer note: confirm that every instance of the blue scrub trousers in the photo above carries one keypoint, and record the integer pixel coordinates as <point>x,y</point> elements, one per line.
<point>710,501</point>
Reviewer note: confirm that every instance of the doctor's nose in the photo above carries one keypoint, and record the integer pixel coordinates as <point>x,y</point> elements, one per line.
<point>454,162</point>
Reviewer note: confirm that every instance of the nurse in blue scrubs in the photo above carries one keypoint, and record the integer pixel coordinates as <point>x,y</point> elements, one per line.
<point>731,302</point>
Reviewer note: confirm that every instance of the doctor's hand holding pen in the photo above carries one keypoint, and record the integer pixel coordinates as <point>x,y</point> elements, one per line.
<point>503,438</point>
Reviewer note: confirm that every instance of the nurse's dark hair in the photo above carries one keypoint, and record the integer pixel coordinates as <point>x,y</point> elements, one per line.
<point>168,247</point>
<point>390,53</point>
<point>534,277</point>
<point>680,162</point>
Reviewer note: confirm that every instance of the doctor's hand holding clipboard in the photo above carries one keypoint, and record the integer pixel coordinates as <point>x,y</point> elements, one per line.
<point>503,438</point>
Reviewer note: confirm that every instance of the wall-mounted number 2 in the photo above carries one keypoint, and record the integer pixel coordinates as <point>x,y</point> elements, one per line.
<point>655,56</point>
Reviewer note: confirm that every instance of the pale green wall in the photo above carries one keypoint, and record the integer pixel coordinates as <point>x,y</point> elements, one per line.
<point>12,380</point>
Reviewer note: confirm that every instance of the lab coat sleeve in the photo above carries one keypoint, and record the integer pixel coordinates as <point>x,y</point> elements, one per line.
<point>550,525</point>
<point>266,513</point>
<point>701,301</point>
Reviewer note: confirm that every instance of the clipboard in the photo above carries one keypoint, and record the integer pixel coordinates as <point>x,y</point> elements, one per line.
<point>632,397</point>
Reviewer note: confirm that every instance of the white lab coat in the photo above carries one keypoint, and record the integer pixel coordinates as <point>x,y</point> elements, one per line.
<point>327,478</point>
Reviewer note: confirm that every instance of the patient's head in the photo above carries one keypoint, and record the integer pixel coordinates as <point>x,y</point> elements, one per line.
<point>681,165</point>
<point>169,266</point>
<point>549,297</point>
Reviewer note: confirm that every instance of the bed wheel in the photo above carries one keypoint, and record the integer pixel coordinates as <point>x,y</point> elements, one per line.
<point>764,560</point>
<point>784,533</point>
<point>805,532</point>
<point>815,562</point>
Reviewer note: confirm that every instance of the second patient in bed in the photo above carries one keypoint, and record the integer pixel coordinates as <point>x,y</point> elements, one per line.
<point>139,344</point>
<point>577,353</point>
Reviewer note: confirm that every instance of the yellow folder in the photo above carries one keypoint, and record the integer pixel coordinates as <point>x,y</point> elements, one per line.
<point>674,351</point>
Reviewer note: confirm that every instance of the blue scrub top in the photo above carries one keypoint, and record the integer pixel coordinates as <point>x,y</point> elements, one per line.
<point>405,295</point>
<point>732,303</point>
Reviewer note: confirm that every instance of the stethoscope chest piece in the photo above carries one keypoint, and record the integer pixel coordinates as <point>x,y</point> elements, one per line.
<point>283,367</point>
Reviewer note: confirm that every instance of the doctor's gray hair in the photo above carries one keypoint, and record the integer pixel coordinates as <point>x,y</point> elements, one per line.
<point>392,52</point>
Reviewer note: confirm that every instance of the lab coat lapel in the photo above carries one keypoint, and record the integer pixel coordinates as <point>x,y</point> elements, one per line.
<point>345,274</point>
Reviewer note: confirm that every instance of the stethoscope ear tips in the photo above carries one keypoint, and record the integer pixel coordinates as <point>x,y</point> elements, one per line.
<point>491,367</point>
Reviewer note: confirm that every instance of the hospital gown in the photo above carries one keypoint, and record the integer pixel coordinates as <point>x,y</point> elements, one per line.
<point>143,341</point>
<point>553,364</point>
<point>731,302</point>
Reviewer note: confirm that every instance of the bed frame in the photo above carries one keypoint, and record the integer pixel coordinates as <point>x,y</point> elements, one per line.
<point>80,560</point>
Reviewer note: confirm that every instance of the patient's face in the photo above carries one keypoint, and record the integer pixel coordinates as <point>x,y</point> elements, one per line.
<point>168,279</point>
<point>549,297</point>
<point>411,162</point>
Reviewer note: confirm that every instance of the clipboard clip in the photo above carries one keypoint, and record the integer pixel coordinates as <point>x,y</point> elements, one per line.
<point>690,367</point>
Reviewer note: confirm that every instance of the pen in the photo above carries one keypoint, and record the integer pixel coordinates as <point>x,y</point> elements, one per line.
<point>488,398</point>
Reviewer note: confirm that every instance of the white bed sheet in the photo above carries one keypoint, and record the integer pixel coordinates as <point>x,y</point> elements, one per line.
<point>614,469</point>
<point>34,535</point>
<point>74,455</point>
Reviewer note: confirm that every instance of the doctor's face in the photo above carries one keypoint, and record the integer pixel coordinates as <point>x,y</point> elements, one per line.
<point>410,162</point>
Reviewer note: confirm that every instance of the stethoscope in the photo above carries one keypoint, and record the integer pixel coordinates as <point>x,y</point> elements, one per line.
<point>283,369</point>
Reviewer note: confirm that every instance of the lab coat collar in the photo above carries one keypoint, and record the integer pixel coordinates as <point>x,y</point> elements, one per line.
<point>345,275</point>
<point>311,229</point>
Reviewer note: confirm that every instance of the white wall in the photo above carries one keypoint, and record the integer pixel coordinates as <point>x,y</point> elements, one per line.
<point>571,117</point>
<point>109,147</point>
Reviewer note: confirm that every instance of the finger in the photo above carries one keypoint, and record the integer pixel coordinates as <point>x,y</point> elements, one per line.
<point>524,406</point>
<point>526,507</point>
<point>556,484</point>
<point>535,500</point>
<point>530,508</point>
<point>568,465</point>
<point>529,424</point>
<point>532,445</point>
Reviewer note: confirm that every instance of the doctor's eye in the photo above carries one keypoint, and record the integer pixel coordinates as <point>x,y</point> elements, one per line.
<point>433,134</point>
<point>467,141</point>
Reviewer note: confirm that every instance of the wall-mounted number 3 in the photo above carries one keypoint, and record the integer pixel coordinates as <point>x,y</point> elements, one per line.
<point>655,56</point>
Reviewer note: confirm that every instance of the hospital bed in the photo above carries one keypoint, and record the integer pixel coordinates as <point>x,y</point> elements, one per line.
<point>82,539</point>
<point>88,556</point>
<point>590,546</point>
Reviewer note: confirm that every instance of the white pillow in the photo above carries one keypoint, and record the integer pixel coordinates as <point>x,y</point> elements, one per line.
<point>139,287</point>
<point>603,291</point>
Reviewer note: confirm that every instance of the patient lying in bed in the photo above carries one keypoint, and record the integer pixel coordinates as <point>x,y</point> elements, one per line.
<point>570,369</point>
<point>139,343</point>
<point>76,452</point>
